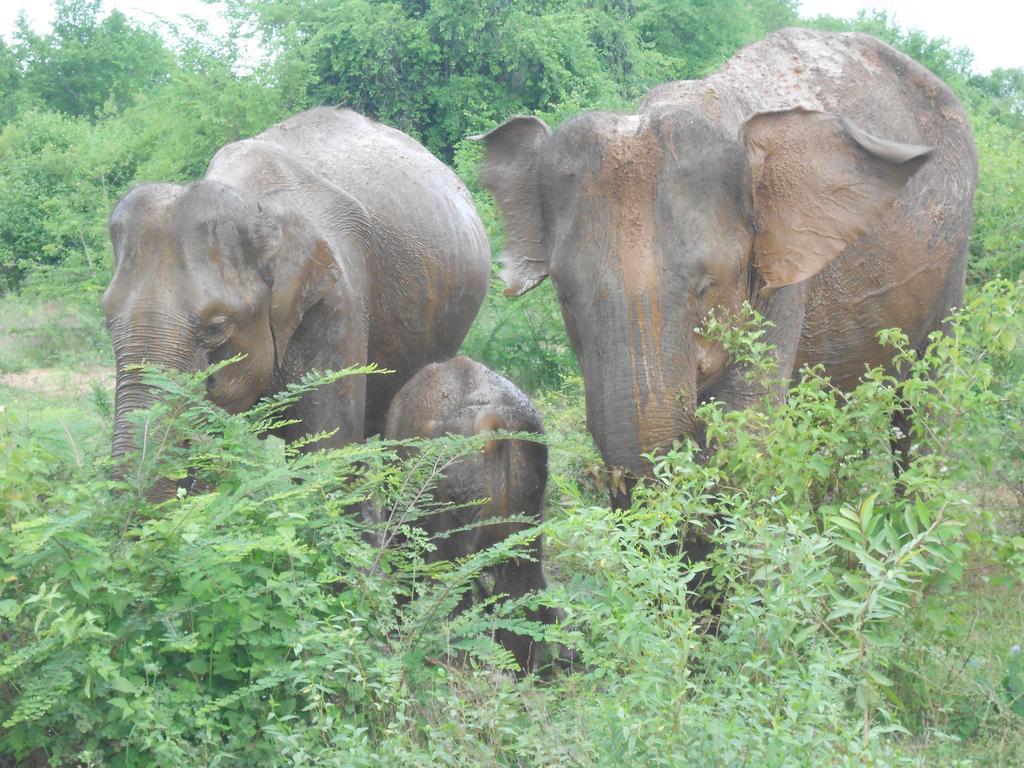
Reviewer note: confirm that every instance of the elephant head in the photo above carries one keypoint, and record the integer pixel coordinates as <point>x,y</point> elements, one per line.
<point>647,222</point>
<point>202,273</point>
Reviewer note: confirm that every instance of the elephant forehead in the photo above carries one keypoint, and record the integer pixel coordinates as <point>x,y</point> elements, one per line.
<point>618,198</point>
<point>645,169</point>
<point>213,250</point>
<point>628,160</point>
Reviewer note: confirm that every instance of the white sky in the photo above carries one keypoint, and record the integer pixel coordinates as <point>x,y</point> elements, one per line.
<point>40,12</point>
<point>990,28</point>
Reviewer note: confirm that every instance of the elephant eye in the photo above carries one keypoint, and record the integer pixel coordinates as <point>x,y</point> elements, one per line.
<point>216,326</point>
<point>704,286</point>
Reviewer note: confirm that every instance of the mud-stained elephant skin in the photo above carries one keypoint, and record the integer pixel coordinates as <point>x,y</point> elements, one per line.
<point>329,240</point>
<point>463,397</point>
<point>826,178</point>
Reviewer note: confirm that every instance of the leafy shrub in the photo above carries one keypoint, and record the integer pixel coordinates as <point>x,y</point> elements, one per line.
<point>258,619</point>
<point>63,175</point>
<point>832,547</point>
<point>997,245</point>
<point>219,622</point>
<point>38,179</point>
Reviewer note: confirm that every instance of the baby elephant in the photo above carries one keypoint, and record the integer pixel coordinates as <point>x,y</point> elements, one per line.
<point>463,397</point>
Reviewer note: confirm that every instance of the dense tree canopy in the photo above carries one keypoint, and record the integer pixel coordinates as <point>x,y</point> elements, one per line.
<point>86,61</point>
<point>444,69</point>
<point>99,103</point>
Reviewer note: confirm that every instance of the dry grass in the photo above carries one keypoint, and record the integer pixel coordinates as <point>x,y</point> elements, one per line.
<point>56,382</point>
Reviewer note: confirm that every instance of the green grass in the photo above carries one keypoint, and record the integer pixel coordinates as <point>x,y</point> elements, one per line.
<point>957,677</point>
<point>52,334</point>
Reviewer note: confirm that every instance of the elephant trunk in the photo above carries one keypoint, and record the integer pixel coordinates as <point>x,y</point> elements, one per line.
<point>130,395</point>
<point>133,395</point>
<point>637,407</point>
<point>165,348</point>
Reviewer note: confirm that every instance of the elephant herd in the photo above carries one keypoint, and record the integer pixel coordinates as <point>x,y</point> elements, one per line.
<point>826,179</point>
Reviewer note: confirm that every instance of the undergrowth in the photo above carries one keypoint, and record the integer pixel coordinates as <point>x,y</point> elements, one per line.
<point>279,613</point>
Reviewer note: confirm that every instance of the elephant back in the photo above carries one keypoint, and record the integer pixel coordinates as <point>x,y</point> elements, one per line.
<point>430,257</point>
<point>920,247</point>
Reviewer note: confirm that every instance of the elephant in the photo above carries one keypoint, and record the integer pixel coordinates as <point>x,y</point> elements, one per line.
<point>329,240</point>
<point>825,178</point>
<point>463,397</point>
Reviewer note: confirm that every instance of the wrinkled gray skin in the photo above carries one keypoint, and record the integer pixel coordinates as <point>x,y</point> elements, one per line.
<point>463,397</point>
<point>826,178</point>
<point>326,241</point>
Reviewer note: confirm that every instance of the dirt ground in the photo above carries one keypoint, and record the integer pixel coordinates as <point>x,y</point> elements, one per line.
<point>57,381</point>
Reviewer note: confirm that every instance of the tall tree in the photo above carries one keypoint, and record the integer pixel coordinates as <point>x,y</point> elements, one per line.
<point>441,69</point>
<point>10,79</point>
<point>1004,89</point>
<point>700,34</point>
<point>86,60</point>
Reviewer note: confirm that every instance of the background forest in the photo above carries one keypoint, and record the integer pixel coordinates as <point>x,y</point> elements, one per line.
<point>856,625</point>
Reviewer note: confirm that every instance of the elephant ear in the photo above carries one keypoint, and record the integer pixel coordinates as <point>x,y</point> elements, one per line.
<point>819,183</point>
<point>300,266</point>
<point>510,174</point>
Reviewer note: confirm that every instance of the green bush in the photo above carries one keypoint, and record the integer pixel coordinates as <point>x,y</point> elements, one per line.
<point>39,190</point>
<point>258,618</point>
<point>997,245</point>
<point>218,623</point>
<point>63,174</point>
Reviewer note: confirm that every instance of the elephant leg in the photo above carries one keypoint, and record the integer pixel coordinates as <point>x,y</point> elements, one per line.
<point>447,547</point>
<point>901,440</point>
<point>514,579</point>
<point>620,493</point>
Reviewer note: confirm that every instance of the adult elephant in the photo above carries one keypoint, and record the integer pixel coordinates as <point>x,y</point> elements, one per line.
<point>328,240</point>
<point>826,178</point>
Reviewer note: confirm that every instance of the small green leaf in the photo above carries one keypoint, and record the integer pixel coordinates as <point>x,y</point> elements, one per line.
<point>1007,340</point>
<point>122,684</point>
